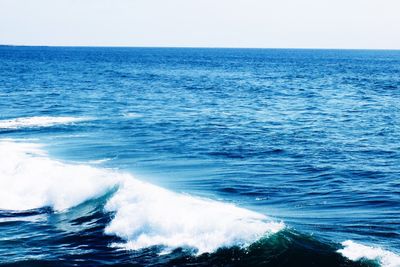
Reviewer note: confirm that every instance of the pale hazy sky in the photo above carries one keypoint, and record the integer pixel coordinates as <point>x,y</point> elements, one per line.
<point>203,23</point>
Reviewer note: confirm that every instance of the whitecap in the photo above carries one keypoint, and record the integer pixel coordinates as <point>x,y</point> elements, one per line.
<point>37,121</point>
<point>355,252</point>
<point>148,215</point>
<point>132,115</point>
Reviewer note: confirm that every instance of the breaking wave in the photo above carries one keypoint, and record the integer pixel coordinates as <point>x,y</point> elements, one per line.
<point>145,215</point>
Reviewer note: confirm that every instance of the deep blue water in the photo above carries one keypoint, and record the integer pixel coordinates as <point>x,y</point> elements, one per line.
<point>310,138</point>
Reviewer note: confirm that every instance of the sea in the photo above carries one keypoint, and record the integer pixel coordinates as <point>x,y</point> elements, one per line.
<point>199,157</point>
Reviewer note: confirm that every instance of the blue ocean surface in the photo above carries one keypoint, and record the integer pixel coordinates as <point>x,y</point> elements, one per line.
<point>199,157</point>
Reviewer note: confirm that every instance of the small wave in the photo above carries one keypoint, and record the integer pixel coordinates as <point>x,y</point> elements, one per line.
<point>355,252</point>
<point>145,215</point>
<point>132,115</point>
<point>37,121</point>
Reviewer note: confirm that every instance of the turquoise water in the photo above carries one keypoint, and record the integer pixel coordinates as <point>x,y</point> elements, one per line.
<point>199,157</point>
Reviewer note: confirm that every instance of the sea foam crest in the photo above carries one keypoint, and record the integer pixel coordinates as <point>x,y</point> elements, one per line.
<point>355,252</point>
<point>145,214</point>
<point>37,121</point>
<point>29,179</point>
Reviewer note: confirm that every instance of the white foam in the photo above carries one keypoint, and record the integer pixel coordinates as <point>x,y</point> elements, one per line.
<point>145,214</point>
<point>354,251</point>
<point>29,179</point>
<point>37,121</point>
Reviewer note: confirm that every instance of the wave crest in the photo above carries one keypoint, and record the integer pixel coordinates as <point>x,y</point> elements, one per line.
<point>147,215</point>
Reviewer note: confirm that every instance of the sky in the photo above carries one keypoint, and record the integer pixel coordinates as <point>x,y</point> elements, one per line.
<point>366,24</point>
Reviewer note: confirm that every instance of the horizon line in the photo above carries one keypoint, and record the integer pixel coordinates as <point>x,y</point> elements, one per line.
<point>199,47</point>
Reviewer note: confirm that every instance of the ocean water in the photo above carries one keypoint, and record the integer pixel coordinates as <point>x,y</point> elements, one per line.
<point>199,157</point>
